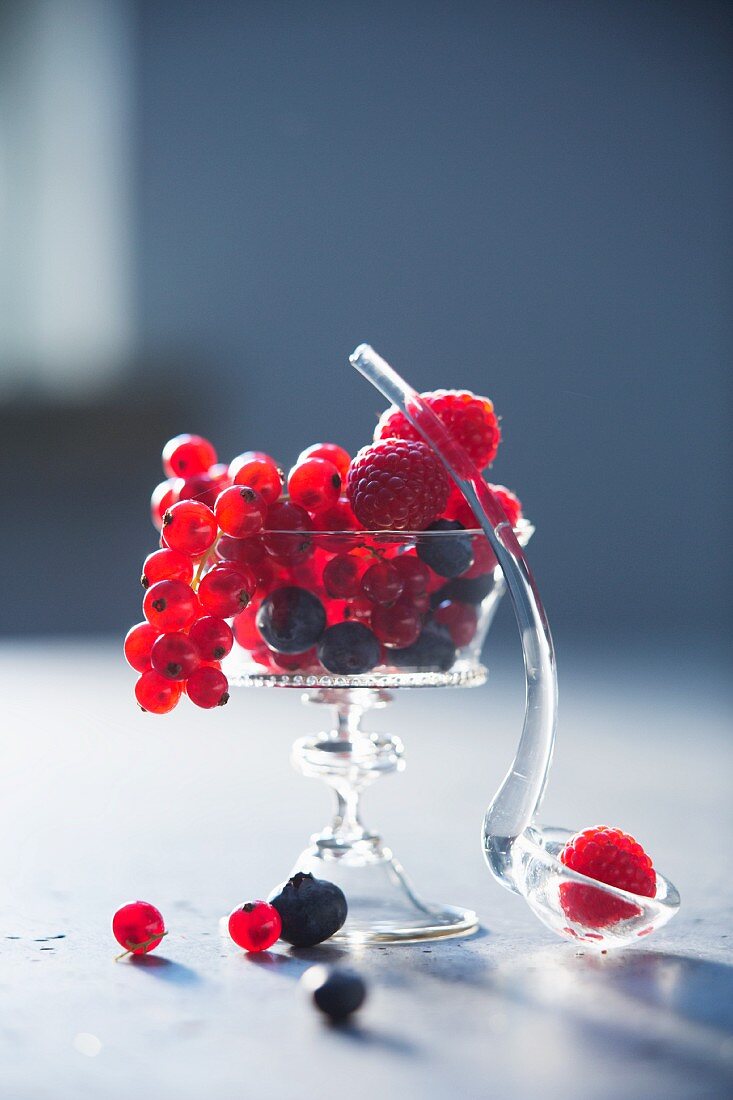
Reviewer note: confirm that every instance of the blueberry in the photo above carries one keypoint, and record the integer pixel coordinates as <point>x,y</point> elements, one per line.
<point>464,589</point>
<point>348,649</point>
<point>433,651</point>
<point>446,556</point>
<point>337,992</point>
<point>310,909</point>
<point>291,620</point>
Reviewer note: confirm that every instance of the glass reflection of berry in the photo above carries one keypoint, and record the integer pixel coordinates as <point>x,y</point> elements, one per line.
<point>347,579</point>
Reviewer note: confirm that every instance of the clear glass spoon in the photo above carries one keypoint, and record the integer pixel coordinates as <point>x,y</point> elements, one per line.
<point>522,855</point>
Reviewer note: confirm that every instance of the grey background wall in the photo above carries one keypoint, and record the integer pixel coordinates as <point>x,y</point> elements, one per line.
<point>529,199</point>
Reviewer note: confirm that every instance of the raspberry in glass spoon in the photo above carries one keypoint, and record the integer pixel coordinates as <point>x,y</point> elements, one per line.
<point>609,856</point>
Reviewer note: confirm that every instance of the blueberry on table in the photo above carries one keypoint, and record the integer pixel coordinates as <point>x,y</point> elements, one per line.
<point>336,992</point>
<point>291,619</point>
<point>311,909</point>
<point>448,557</point>
<point>348,649</point>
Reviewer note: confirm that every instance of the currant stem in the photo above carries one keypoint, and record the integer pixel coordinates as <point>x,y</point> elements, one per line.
<point>136,946</point>
<point>204,561</point>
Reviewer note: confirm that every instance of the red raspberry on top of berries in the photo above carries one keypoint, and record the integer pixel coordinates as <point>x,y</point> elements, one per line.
<point>610,856</point>
<point>471,420</point>
<point>459,508</point>
<point>397,485</point>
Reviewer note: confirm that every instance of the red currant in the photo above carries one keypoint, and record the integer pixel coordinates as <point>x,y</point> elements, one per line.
<point>342,574</point>
<point>289,540</point>
<point>255,926</point>
<point>245,627</point>
<point>240,511</point>
<point>138,927</point>
<point>382,583</point>
<point>241,551</point>
<point>175,656</point>
<point>226,589</point>
<point>202,487</point>
<point>484,558</point>
<point>414,573</point>
<point>314,484</point>
<point>340,457</point>
<point>208,687</point>
<point>157,694</point>
<point>166,565</point>
<point>212,637</point>
<point>164,497</point>
<point>190,526</point>
<point>261,474</point>
<point>170,605</point>
<point>138,644</point>
<point>188,455</point>
<point>461,619</point>
<point>397,626</point>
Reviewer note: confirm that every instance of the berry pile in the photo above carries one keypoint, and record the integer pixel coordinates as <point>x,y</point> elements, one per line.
<point>345,566</point>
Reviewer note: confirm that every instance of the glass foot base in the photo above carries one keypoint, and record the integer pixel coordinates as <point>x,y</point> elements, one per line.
<point>383,907</point>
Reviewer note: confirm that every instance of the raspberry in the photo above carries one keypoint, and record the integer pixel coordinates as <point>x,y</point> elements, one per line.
<point>397,485</point>
<point>471,420</point>
<point>609,856</point>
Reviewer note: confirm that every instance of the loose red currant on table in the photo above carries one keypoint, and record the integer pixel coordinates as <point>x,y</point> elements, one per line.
<point>190,527</point>
<point>212,637</point>
<point>188,455</point>
<point>138,927</point>
<point>138,645</point>
<point>260,472</point>
<point>255,926</point>
<point>175,656</point>
<point>335,454</point>
<point>342,575</point>
<point>166,565</point>
<point>398,485</point>
<point>170,605</point>
<point>397,626</point>
<point>164,497</point>
<point>471,420</point>
<point>157,694</point>
<point>314,484</point>
<point>226,589</point>
<point>382,583</point>
<point>610,856</point>
<point>208,687</point>
<point>240,511</point>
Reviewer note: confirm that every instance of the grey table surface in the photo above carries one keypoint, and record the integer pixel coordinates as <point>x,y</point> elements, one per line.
<point>100,804</point>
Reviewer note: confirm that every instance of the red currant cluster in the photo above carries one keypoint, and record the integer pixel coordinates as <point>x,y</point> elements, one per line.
<point>345,566</point>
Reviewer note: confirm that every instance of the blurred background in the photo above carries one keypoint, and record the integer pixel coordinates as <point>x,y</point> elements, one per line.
<point>205,207</point>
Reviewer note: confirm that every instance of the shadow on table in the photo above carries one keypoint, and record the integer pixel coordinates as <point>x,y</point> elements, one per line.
<point>695,989</point>
<point>165,969</point>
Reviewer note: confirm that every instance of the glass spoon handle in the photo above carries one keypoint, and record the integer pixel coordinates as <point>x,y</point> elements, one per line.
<point>520,794</point>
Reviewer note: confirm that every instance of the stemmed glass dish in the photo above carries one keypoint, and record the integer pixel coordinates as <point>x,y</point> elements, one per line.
<point>441,630</point>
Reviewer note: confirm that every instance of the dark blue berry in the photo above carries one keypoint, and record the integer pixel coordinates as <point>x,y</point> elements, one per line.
<point>433,651</point>
<point>447,556</point>
<point>464,589</point>
<point>310,909</point>
<point>348,649</point>
<point>339,992</point>
<point>291,620</point>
